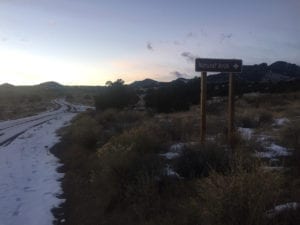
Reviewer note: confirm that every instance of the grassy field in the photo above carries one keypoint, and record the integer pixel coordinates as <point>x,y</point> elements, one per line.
<point>128,167</point>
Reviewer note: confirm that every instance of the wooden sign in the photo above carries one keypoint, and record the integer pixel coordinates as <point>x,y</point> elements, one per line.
<point>219,65</point>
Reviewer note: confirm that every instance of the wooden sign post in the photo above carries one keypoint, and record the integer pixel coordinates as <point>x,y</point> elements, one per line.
<point>231,66</point>
<point>231,109</point>
<point>203,108</point>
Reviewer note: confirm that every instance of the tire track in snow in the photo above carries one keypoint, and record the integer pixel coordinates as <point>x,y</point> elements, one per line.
<point>29,183</point>
<point>14,129</point>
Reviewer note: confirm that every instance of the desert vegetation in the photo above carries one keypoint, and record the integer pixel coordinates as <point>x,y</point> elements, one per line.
<point>22,101</point>
<point>17,102</point>
<point>116,95</point>
<point>127,167</point>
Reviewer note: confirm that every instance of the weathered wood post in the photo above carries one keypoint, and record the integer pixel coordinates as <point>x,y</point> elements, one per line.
<point>203,107</point>
<point>231,109</point>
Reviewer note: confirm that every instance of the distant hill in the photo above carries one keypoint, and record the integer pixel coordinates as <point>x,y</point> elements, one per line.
<point>147,83</point>
<point>6,85</point>
<point>276,72</point>
<point>50,85</point>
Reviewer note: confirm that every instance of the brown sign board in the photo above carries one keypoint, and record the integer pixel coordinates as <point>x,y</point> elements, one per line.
<point>219,65</point>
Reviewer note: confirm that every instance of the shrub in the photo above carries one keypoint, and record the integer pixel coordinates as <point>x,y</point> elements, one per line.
<point>198,161</point>
<point>242,197</point>
<point>116,95</point>
<point>168,99</point>
<point>290,136</point>
<point>179,129</point>
<point>265,117</point>
<point>126,175</point>
<point>84,131</point>
<point>247,120</point>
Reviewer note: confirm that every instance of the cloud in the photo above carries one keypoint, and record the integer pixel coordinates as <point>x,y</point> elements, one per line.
<point>23,40</point>
<point>52,23</point>
<point>4,39</point>
<point>189,56</point>
<point>150,46</point>
<point>179,74</point>
<point>225,36</point>
<point>191,35</point>
<point>177,43</point>
<point>203,33</point>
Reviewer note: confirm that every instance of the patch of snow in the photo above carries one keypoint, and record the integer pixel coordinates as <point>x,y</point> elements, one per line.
<point>170,155</point>
<point>264,138</point>
<point>273,151</point>
<point>280,121</point>
<point>283,207</point>
<point>273,168</point>
<point>246,133</point>
<point>174,151</point>
<point>177,147</point>
<point>168,171</point>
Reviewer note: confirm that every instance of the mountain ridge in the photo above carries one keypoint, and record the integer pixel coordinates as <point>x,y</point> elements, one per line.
<point>274,73</point>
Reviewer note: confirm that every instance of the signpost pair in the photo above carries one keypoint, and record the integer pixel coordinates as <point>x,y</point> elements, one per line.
<point>230,66</point>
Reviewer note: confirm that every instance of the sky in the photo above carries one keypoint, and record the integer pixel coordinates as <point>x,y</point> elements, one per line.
<point>88,42</point>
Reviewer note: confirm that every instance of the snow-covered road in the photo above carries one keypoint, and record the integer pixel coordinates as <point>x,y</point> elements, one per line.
<point>29,183</point>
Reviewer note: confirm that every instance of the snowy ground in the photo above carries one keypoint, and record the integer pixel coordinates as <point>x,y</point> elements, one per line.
<point>29,183</point>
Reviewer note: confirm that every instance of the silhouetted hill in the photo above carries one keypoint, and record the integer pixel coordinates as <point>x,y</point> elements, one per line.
<point>147,83</point>
<point>6,85</point>
<point>277,72</point>
<point>50,85</point>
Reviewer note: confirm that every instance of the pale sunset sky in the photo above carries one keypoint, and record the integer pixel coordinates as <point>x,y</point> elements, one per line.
<point>87,42</point>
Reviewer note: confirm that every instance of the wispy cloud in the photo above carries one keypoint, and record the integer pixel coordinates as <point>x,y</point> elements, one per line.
<point>150,46</point>
<point>24,39</point>
<point>3,39</point>
<point>223,37</point>
<point>52,23</point>
<point>177,43</point>
<point>178,74</point>
<point>189,56</point>
<point>191,35</point>
<point>203,33</point>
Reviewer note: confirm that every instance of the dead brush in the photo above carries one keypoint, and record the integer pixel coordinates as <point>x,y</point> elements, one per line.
<point>241,197</point>
<point>290,136</point>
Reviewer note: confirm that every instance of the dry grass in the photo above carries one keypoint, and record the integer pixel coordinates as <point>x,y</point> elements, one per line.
<point>18,107</point>
<point>242,197</point>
